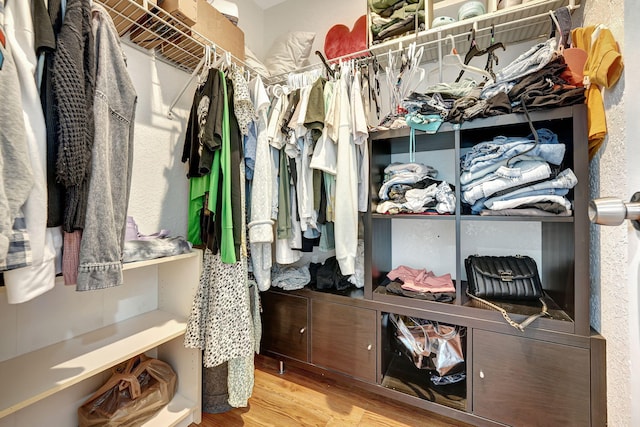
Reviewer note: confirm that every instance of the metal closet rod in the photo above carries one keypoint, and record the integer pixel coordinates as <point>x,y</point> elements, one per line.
<point>368,54</point>
<point>196,70</point>
<point>172,29</point>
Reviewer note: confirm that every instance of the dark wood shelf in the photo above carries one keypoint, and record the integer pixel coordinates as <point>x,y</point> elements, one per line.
<point>488,122</point>
<point>402,376</point>
<point>517,218</point>
<point>414,216</point>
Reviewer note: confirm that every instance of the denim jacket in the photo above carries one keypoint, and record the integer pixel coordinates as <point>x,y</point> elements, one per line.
<point>112,157</point>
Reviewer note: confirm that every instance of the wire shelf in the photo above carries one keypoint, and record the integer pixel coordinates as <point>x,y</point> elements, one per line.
<point>144,25</point>
<point>525,22</point>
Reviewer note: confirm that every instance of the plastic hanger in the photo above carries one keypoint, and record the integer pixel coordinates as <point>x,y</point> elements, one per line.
<point>454,59</point>
<point>206,65</point>
<point>471,53</point>
<point>490,51</point>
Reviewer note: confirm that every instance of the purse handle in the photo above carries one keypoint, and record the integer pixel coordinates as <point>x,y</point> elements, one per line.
<point>519,326</point>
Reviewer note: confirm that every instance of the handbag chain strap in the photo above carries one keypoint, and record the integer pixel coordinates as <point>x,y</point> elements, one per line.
<point>519,326</point>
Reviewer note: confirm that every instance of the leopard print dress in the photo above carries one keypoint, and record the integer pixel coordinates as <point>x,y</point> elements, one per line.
<point>220,323</point>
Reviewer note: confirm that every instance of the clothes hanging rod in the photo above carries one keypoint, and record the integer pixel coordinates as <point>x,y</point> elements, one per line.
<point>160,28</point>
<point>366,54</point>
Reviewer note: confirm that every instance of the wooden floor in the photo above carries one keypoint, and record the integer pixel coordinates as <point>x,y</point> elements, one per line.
<point>300,398</point>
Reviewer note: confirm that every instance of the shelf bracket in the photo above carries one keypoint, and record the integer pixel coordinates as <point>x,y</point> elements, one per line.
<point>184,88</point>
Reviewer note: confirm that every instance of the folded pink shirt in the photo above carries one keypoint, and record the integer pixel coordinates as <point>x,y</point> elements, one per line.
<point>422,280</point>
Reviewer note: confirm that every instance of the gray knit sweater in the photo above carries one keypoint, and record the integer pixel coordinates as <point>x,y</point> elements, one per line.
<point>73,78</point>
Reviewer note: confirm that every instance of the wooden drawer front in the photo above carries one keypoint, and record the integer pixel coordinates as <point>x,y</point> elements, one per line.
<point>285,329</point>
<point>523,382</point>
<point>343,338</point>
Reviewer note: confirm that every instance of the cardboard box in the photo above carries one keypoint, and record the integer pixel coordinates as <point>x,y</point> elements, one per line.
<point>186,11</point>
<point>215,27</point>
<point>125,13</point>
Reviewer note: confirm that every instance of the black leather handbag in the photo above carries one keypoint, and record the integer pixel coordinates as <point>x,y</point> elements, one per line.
<point>505,278</point>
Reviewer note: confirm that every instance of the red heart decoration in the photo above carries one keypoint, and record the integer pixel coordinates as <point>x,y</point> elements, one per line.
<point>341,41</point>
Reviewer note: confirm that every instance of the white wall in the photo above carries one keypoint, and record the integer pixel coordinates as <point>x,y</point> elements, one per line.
<point>613,287</point>
<point>159,187</point>
<point>310,15</point>
<point>632,109</point>
<point>251,22</point>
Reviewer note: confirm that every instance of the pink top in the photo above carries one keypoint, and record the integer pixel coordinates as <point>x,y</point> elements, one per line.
<point>422,280</point>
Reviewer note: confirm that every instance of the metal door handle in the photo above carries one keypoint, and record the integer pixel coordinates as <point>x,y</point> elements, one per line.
<point>613,211</point>
<point>302,330</point>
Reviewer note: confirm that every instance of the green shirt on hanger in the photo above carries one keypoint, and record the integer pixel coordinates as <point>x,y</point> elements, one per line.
<point>227,249</point>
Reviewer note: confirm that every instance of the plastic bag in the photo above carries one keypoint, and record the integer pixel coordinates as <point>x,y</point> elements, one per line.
<point>430,345</point>
<point>135,392</point>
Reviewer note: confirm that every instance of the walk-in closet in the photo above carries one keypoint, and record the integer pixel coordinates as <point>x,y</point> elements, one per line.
<point>298,213</point>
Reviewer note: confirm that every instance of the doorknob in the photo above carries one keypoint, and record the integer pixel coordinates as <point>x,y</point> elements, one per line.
<point>613,211</point>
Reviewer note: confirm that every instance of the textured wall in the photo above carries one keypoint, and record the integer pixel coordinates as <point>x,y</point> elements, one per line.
<point>310,15</point>
<point>159,188</point>
<point>632,107</point>
<point>251,22</point>
<point>610,304</point>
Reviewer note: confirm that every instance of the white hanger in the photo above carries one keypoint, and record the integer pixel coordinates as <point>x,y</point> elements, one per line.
<point>454,59</point>
<point>596,32</point>
<point>560,45</point>
<point>204,71</point>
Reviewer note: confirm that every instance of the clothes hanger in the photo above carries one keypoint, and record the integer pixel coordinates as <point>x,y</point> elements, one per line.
<point>472,52</point>
<point>560,45</point>
<point>454,59</point>
<point>491,55</point>
<point>330,72</point>
<point>475,51</point>
<point>206,65</point>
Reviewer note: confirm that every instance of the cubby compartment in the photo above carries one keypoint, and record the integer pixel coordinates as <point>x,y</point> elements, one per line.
<point>406,238</point>
<point>440,378</point>
<point>550,244</point>
<point>420,244</point>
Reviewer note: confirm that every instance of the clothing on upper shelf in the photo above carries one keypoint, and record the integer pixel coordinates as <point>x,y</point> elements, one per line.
<point>390,18</point>
<point>488,184</point>
<point>411,188</point>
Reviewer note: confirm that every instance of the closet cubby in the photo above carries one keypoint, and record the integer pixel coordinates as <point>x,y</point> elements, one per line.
<point>59,347</point>
<point>399,372</point>
<point>497,356</point>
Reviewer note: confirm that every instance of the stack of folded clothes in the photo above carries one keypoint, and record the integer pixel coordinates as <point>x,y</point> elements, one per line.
<point>141,247</point>
<point>421,284</point>
<point>538,78</point>
<point>411,188</point>
<point>516,176</point>
<point>391,18</point>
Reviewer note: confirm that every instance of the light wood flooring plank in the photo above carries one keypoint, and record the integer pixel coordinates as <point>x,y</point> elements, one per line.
<point>299,398</point>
